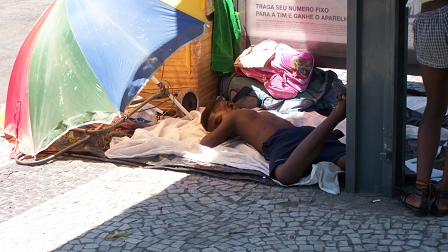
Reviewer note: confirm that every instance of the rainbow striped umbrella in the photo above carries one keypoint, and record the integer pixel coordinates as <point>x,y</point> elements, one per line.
<point>85,60</point>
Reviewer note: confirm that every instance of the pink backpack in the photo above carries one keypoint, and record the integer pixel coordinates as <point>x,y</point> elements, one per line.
<point>285,74</point>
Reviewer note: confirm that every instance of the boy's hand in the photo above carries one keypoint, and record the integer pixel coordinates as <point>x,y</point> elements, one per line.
<point>340,109</point>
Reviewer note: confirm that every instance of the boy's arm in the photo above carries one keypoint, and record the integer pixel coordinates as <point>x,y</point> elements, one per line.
<point>219,135</point>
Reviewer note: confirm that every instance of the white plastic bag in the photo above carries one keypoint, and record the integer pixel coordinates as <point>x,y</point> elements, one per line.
<point>146,115</point>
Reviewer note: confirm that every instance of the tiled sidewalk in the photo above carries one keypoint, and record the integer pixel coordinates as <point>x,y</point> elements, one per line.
<point>82,205</point>
<point>75,205</point>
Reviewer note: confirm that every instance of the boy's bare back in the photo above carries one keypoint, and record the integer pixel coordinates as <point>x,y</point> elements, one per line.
<point>254,127</point>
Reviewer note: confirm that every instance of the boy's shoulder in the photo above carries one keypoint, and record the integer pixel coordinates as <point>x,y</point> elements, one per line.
<point>244,114</point>
<point>245,111</point>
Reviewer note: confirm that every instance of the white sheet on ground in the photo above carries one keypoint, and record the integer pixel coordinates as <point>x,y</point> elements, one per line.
<point>181,137</point>
<point>436,175</point>
<point>418,103</point>
<point>412,132</point>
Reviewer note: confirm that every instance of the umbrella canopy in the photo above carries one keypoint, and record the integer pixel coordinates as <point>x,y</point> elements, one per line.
<point>85,60</point>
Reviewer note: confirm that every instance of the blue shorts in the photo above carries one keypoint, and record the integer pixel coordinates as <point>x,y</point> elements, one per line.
<point>282,143</point>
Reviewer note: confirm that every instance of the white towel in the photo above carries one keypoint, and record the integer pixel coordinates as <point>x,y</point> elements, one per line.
<point>181,137</point>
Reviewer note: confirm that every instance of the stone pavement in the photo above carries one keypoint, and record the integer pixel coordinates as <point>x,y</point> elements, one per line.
<point>75,205</point>
<point>83,205</point>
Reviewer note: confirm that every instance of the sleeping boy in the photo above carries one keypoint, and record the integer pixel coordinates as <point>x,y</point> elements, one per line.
<point>291,150</point>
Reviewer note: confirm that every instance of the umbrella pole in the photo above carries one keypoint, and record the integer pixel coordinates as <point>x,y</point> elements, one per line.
<point>124,118</point>
<point>19,157</point>
<point>178,104</point>
<point>99,130</point>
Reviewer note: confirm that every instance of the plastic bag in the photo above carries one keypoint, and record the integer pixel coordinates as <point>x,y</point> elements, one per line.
<point>146,115</point>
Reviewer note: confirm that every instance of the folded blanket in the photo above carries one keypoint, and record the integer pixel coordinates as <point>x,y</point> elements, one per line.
<point>181,137</point>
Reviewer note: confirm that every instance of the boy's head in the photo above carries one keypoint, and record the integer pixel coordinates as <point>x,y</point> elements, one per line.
<point>213,107</point>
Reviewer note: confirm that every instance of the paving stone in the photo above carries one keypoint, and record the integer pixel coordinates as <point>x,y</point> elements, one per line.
<point>78,203</point>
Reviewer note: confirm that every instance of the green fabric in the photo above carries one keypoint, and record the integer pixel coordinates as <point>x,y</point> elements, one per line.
<point>62,86</point>
<point>226,39</point>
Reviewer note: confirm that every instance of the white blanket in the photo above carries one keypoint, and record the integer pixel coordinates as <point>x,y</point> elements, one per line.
<point>181,137</point>
<point>418,104</point>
